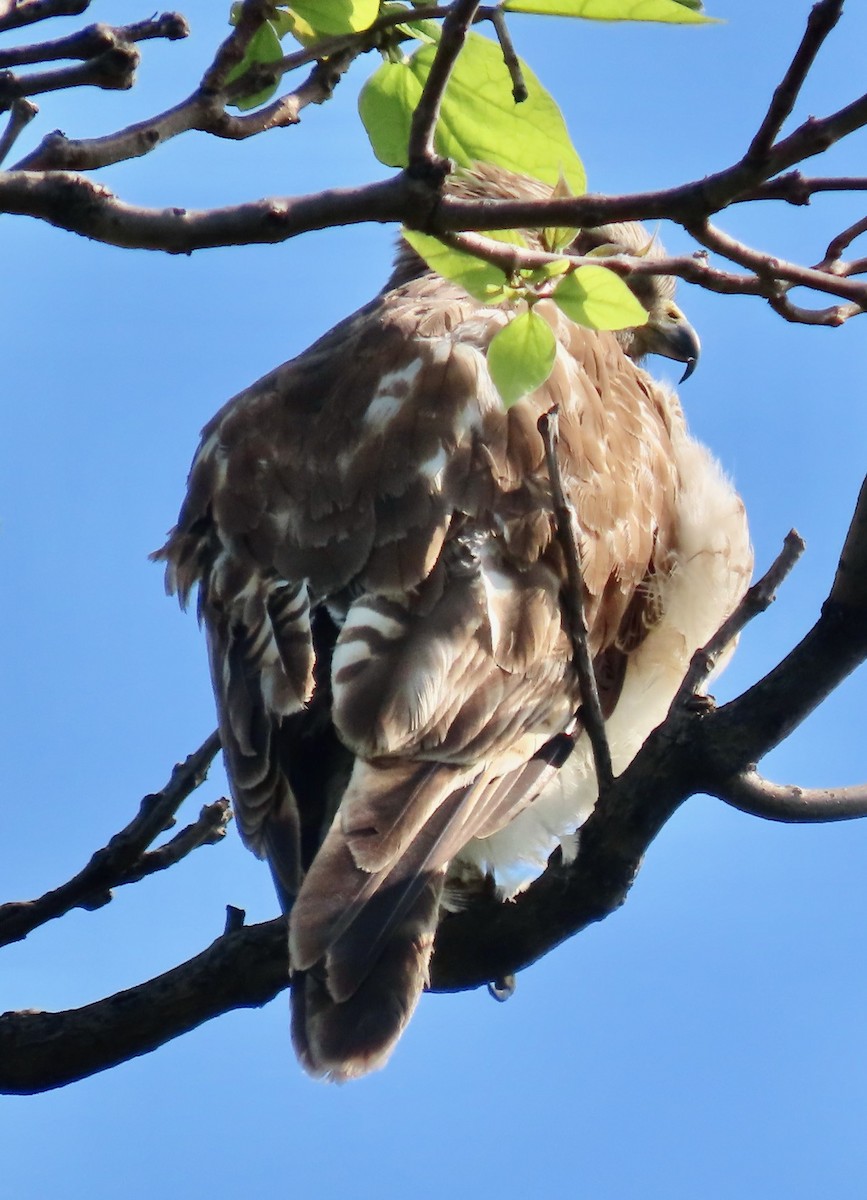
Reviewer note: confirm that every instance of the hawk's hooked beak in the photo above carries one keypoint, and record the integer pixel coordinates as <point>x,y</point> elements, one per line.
<point>670,334</point>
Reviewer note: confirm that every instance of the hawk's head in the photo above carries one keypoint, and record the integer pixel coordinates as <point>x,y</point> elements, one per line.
<point>667,331</point>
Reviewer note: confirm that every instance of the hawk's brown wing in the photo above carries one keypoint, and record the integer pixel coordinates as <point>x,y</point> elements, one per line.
<point>375,486</point>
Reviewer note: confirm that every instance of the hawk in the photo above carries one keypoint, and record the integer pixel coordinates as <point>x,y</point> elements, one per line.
<point>372,537</point>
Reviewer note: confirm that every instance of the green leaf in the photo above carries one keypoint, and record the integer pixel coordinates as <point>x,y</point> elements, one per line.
<point>385,105</point>
<point>599,299</point>
<point>521,355</point>
<point>264,47</point>
<point>481,279</point>
<point>479,120</point>
<point>330,17</point>
<point>669,12</point>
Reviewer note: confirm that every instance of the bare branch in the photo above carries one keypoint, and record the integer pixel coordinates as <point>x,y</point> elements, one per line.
<point>14,15</point>
<point>840,243</point>
<point>422,157</point>
<point>209,829</point>
<point>21,114</point>
<point>822,19</point>
<point>798,189</point>
<point>757,797</point>
<point>568,536</point>
<point>42,1050</point>
<point>96,39</point>
<point>120,861</point>
<point>510,58</point>
<point>759,597</point>
<point>114,70</point>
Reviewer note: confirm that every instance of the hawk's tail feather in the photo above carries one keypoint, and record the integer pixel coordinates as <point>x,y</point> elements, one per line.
<point>338,892</point>
<point>344,1039</point>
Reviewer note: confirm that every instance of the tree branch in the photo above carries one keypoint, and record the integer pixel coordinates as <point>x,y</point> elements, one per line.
<point>822,19</point>
<point>44,1050</point>
<point>96,39</point>
<point>424,162</point>
<point>14,15</point>
<point>123,860</point>
<point>758,797</point>
<point>21,113</point>
<point>568,537</point>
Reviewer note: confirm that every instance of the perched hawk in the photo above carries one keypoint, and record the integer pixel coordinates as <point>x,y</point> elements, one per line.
<point>372,538</point>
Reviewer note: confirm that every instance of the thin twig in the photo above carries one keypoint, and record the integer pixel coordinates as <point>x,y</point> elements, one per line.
<point>113,70</point>
<point>207,830</point>
<point>822,19</point>
<point>27,12</point>
<point>756,600</point>
<point>510,58</point>
<point>116,862</point>
<point>423,158</point>
<point>750,793</point>
<point>841,242</point>
<point>566,526</point>
<point>96,39</point>
<point>21,113</point>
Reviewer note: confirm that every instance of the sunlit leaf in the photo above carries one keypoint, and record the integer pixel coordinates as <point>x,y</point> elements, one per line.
<point>479,120</point>
<point>596,297</point>
<point>264,47</point>
<point>670,12</point>
<point>481,279</point>
<point>521,355</point>
<point>331,17</point>
<point>386,104</point>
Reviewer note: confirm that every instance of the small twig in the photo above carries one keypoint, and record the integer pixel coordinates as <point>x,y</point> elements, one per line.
<point>750,793</point>
<point>769,267</point>
<point>822,19</point>
<point>316,89</point>
<point>757,599</point>
<point>841,242</point>
<point>834,315</point>
<point>235,918</point>
<point>114,71</point>
<point>422,156</point>
<point>207,830</point>
<point>21,113</point>
<point>252,16</point>
<point>96,39</point>
<point>115,863</point>
<point>510,58</point>
<point>798,189</point>
<point>566,526</point>
<point>27,12</point>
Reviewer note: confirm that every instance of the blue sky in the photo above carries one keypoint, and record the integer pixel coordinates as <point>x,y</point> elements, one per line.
<point>706,1041</point>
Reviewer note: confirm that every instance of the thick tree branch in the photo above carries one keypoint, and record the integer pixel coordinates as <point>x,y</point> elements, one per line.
<point>124,860</point>
<point>44,1050</point>
<point>695,750</point>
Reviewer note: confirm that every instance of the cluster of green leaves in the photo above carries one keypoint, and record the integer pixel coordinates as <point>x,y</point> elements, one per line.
<point>308,21</point>
<point>521,354</point>
<point>480,121</point>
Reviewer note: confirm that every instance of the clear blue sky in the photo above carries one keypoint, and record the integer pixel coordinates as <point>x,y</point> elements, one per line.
<point>705,1043</point>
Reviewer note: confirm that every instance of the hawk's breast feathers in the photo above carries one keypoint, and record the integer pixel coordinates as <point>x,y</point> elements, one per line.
<point>372,538</point>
